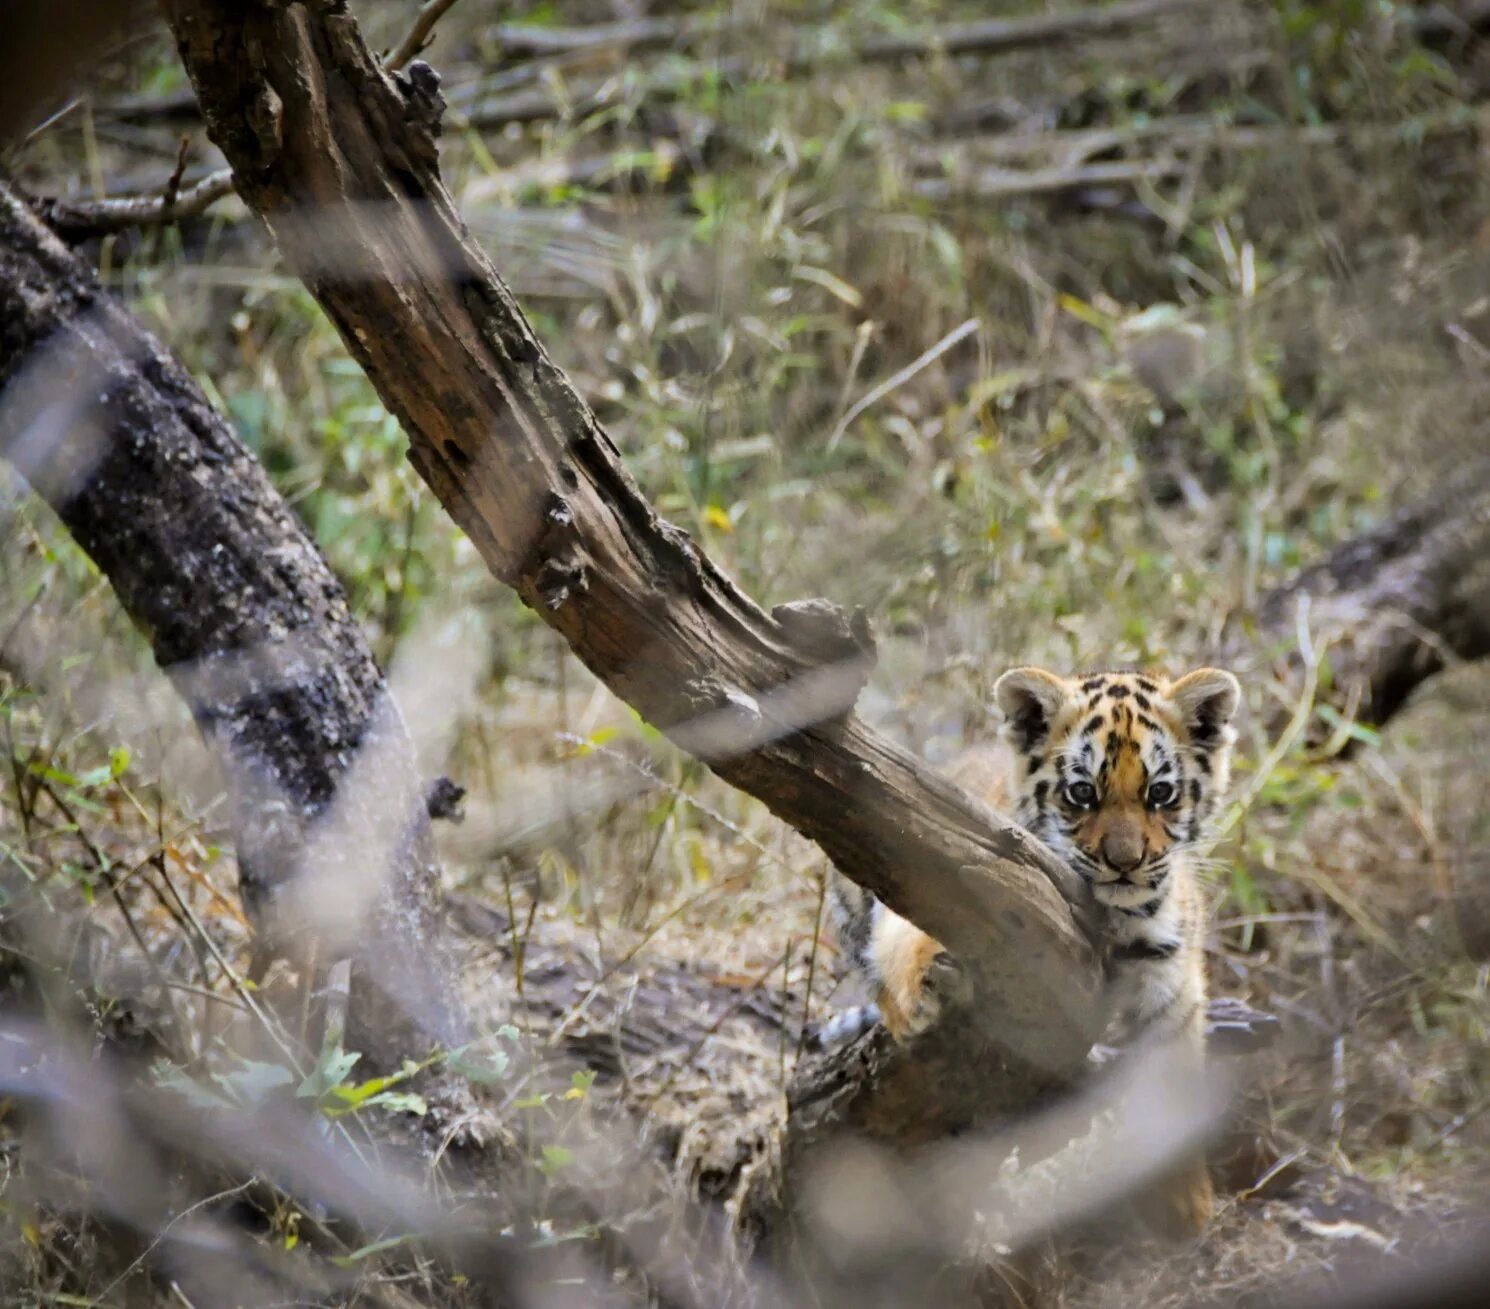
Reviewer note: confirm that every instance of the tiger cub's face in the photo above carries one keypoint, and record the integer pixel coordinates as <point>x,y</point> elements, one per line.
<point>1119,771</point>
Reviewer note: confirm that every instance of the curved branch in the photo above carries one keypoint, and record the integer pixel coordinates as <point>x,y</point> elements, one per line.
<point>340,159</point>
<point>419,35</point>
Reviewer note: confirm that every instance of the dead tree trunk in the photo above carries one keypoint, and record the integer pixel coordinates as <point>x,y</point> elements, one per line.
<point>243,614</point>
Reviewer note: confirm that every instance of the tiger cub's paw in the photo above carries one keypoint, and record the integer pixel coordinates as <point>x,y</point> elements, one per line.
<point>944,984</point>
<point>845,1026</point>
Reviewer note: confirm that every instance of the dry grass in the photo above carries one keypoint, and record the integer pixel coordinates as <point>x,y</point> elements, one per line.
<point>1020,499</point>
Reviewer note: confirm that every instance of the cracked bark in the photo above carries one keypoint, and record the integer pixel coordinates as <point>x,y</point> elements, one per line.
<point>340,160</point>
<point>242,613</point>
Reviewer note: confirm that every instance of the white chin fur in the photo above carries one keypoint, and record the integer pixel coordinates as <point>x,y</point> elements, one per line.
<point>1123,895</point>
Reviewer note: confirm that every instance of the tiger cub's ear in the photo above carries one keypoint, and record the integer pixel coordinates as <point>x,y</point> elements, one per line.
<point>1207,699</point>
<point>1030,699</point>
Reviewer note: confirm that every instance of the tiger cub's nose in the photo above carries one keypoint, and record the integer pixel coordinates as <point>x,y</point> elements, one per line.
<point>1123,850</point>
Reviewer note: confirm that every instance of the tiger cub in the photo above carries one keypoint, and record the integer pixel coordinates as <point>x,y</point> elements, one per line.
<point>1117,773</point>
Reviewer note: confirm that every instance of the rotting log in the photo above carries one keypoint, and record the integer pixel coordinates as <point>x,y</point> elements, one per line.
<point>242,613</point>
<point>341,161</point>
<point>1395,605</point>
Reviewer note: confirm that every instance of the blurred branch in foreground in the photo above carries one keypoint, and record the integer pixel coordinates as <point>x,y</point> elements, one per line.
<point>49,47</point>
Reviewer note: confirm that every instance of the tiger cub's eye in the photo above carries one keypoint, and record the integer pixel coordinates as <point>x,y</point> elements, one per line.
<point>1161,794</point>
<point>1082,793</point>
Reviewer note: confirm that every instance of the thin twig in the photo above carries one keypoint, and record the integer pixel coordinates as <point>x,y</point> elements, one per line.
<point>173,183</point>
<point>80,220</point>
<point>418,36</point>
<point>817,936</point>
<point>160,1236</point>
<point>229,907</point>
<point>105,869</point>
<point>957,334</point>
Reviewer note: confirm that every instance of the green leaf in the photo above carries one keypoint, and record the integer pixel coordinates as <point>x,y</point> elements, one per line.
<point>554,1158</point>
<point>483,1069</point>
<point>353,1096</point>
<point>376,1092</point>
<point>367,1251</point>
<point>255,1080</point>
<point>402,1102</point>
<point>331,1071</point>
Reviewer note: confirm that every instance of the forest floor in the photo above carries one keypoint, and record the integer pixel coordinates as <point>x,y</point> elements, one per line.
<point>1185,381</point>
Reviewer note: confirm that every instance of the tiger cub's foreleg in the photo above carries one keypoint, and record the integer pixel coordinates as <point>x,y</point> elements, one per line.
<point>1169,1016</point>
<point>911,973</point>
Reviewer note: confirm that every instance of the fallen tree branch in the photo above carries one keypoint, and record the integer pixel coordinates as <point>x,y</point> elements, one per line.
<point>246,618</point>
<point>814,49</point>
<point>1435,24</point>
<point>948,175</point>
<point>806,54</point>
<point>1396,604</point>
<point>987,36</point>
<point>79,220</point>
<point>341,162</point>
<point>1007,183</point>
<point>528,41</point>
<point>171,107</point>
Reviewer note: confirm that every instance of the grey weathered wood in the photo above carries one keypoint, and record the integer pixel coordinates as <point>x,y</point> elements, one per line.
<point>1397,604</point>
<point>78,220</point>
<point>340,159</point>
